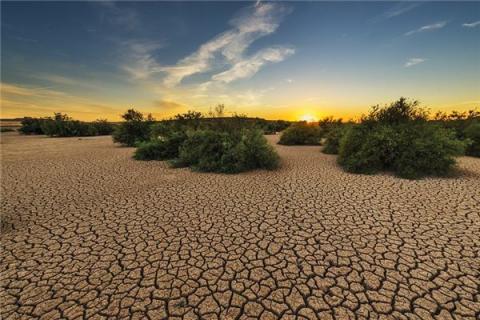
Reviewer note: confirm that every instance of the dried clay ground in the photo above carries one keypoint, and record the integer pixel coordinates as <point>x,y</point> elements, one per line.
<point>87,232</point>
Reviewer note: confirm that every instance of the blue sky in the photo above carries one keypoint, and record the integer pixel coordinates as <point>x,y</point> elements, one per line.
<point>274,60</point>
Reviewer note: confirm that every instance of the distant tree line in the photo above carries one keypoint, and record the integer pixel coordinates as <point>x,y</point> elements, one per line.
<point>61,125</point>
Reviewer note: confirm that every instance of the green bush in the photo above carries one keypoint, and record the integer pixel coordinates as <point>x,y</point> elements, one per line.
<point>427,149</point>
<point>6,129</point>
<point>301,134</point>
<point>399,138</point>
<point>164,148</point>
<point>31,125</point>
<point>227,152</point>
<point>367,150</point>
<point>135,129</point>
<point>61,125</point>
<point>328,124</point>
<point>101,127</point>
<point>472,133</point>
<point>332,139</point>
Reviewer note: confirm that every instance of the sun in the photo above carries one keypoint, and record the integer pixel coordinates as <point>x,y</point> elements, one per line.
<point>308,118</point>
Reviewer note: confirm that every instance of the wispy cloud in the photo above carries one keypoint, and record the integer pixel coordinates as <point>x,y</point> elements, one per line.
<point>396,10</point>
<point>142,56</point>
<point>167,105</point>
<point>21,100</point>
<point>226,50</point>
<point>251,24</point>
<point>119,15</point>
<point>471,24</point>
<point>413,61</point>
<point>429,27</point>
<point>63,80</point>
<point>19,90</point>
<point>249,66</point>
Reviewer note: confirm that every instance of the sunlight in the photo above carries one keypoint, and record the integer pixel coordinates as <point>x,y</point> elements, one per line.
<point>308,118</point>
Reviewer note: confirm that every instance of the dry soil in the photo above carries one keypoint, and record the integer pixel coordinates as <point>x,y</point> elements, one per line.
<point>88,232</point>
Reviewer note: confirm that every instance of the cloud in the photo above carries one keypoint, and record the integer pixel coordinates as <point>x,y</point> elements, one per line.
<point>249,66</point>
<point>168,105</point>
<point>227,49</point>
<point>142,55</point>
<point>471,24</point>
<point>429,27</point>
<point>119,15</point>
<point>21,100</point>
<point>399,9</point>
<point>63,81</point>
<point>16,90</point>
<point>413,61</point>
<point>249,25</point>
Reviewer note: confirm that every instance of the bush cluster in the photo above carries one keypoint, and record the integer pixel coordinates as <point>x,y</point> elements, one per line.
<point>472,133</point>
<point>61,125</point>
<point>225,152</point>
<point>301,134</point>
<point>332,139</point>
<point>399,138</point>
<point>216,145</point>
<point>31,125</point>
<point>466,126</point>
<point>134,130</point>
<point>161,147</point>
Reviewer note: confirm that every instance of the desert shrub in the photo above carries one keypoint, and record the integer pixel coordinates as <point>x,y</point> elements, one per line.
<point>61,125</point>
<point>190,119</point>
<point>426,149</point>
<point>400,139</point>
<point>472,133</point>
<point>273,126</point>
<point>332,139</point>
<point>226,152</point>
<point>162,148</point>
<point>101,127</point>
<point>367,150</point>
<point>4,129</point>
<point>398,112</point>
<point>328,124</point>
<point>135,129</point>
<point>300,134</point>
<point>31,125</point>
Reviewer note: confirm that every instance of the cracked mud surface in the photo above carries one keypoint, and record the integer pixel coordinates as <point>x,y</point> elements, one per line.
<point>87,232</point>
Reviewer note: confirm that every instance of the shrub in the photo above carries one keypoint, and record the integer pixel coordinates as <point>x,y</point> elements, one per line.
<point>332,139</point>
<point>301,134</point>
<point>4,129</point>
<point>472,132</point>
<point>31,125</point>
<point>134,129</point>
<point>328,124</point>
<point>165,148</point>
<point>101,127</point>
<point>426,149</point>
<point>227,152</point>
<point>367,150</point>
<point>61,125</point>
<point>399,138</point>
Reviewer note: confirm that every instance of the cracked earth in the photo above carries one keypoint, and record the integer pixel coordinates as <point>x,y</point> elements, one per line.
<point>87,232</point>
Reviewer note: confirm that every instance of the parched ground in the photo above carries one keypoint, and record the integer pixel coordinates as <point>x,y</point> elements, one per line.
<point>87,232</point>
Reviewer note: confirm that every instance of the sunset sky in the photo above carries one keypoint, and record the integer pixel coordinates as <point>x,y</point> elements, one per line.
<point>281,60</point>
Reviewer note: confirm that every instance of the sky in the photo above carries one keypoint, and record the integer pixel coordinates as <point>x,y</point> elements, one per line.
<point>276,60</point>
